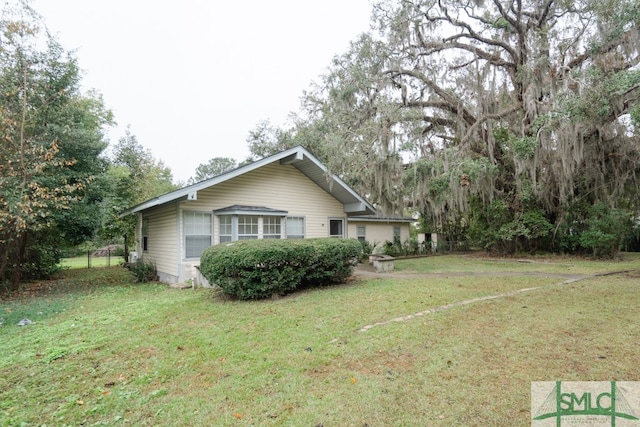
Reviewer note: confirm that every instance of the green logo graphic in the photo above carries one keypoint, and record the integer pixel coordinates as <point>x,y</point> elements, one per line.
<point>587,402</point>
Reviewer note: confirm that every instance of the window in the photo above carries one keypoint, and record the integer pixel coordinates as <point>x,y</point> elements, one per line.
<point>295,227</point>
<point>197,233</point>
<point>336,227</point>
<point>247,227</point>
<point>361,233</point>
<point>271,227</point>
<point>145,234</point>
<point>243,227</point>
<point>226,228</point>
<point>396,234</point>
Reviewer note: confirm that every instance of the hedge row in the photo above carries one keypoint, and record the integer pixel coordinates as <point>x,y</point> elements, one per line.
<point>253,269</point>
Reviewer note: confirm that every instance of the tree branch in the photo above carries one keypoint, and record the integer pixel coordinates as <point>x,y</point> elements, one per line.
<point>472,34</point>
<point>487,117</point>
<point>449,99</point>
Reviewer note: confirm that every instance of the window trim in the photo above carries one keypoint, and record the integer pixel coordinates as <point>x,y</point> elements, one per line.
<point>397,237</point>
<point>144,234</point>
<point>277,224</point>
<point>342,221</point>
<point>286,227</point>
<point>247,236</point>
<point>222,222</point>
<point>185,235</point>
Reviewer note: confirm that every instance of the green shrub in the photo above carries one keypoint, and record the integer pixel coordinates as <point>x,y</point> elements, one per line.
<point>42,262</point>
<point>409,247</point>
<point>143,271</point>
<point>595,229</point>
<point>367,249</point>
<point>331,261</point>
<point>605,231</point>
<point>254,269</point>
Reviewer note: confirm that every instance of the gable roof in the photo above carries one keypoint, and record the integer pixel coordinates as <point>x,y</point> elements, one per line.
<point>299,157</point>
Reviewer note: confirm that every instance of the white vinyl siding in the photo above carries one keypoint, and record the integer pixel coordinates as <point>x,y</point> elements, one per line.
<point>295,227</point>
<point>162,239</point>
<point>379,232</point>
<point>197,228</point>
<point>275,186</point>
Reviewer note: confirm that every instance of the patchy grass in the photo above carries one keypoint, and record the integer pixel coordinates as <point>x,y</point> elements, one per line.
<point>108,352</point>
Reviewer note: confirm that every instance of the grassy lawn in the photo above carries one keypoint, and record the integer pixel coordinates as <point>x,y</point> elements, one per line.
<point>480,262</point>
<point>103,351</point>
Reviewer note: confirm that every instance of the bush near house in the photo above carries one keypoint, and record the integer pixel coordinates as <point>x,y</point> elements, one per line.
<point>254,269</point>
<point>143,271</point>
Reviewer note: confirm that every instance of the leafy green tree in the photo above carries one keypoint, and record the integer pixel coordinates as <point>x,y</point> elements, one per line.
<point>51,140</point>
<point>134,176</point>
<point>145,177</point>
<point>213,167</point>
<point>266,139</point>
<point>597,230</point>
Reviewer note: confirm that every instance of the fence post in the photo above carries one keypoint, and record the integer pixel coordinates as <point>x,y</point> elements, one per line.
<point>88,259</point>
<point>108,257</point>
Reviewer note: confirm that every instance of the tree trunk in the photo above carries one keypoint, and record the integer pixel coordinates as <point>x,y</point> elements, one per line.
<point>17,271</point>
<point>4,260</point>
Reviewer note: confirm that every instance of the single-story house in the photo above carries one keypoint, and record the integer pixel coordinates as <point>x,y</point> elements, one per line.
<point>289,195</point>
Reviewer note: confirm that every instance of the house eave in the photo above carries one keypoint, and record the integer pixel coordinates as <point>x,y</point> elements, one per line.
<point>403,220</point>
<point>298,157</point>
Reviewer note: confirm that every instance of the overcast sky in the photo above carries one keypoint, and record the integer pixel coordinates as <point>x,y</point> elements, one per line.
<point>193,77</point>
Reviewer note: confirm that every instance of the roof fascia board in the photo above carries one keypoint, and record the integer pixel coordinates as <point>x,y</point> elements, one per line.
<point>399,220</point>
<point>293,158</point>
<point>337,179</point>
<point>194,188</point>
<point>289,156</point>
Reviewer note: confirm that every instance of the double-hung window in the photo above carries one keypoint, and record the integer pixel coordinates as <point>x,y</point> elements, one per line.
<point>295,227</point>
<point>361,233</point>
<point>271,227</point>
<point>247,227</point>
<point>226,228</point>
<point>198,230</point>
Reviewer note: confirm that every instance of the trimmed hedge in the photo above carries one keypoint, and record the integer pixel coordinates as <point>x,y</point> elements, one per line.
<point>254,269</point>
